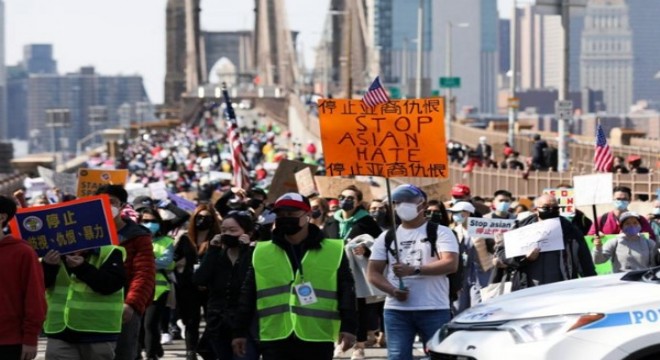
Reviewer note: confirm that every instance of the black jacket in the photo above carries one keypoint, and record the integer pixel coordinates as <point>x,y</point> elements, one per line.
<point>222,278</point>
<point>545,269</point>
<point>345,285</point>
<point>107,279</point>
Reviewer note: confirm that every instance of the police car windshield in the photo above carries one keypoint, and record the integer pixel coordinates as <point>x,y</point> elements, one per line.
<point>651,275</point>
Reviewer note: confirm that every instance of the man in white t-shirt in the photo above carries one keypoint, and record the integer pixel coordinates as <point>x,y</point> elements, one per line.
<point>416,280</point>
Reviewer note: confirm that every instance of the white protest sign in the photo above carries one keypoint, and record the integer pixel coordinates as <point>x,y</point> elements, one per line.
<point>593,189</point>
<point>158,190</point>
<point>47,175</point>
<point>565,198</point>
<point>136,189</point>
<point>220,175</point>
<point>545,235</point>
<point>67,182</point>
<point>487,228</point>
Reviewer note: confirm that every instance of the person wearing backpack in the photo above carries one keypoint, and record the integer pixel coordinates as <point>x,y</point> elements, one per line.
<point>416,278</point>
<point>475,275</point>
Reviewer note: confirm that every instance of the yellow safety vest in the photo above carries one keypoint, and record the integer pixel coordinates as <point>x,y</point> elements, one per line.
<point>73,304</point>
<point>278,307</point>
<point>161,245</point>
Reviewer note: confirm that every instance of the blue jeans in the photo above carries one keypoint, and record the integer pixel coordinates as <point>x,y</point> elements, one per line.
<point>402,326</point>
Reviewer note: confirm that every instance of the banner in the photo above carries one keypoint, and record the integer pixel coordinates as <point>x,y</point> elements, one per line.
<point>181,202</point>
<point>545,235</point>
<point>91,179</point>
<point>67,227</point>
<point>488,228</point>
<point>402,138</point>
<point>565,199</point>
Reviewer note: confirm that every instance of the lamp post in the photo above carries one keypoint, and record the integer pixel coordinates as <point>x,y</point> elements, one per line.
<point>448,72</point>
<point>57,118</point>
<point>420,48</point>
<point>513,84</point>
<point>329,47</point>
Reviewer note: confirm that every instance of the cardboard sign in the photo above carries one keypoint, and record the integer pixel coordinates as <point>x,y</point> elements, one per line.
<point>66,182</point>
<point>402,138</point>
<point>91,179</point>
<point>593,189</point>
<point>67,227</point>
<point>305,182</point>
<point>331,187</point>
<point>488,228</point>
<point>284,180</point>
<point>565,199</point>
<point>158,190</point>
<point>545,235</point>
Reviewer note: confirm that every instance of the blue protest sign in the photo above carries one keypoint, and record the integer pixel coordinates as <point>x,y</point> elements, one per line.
<point>67,227</point>
<point>182,203</point>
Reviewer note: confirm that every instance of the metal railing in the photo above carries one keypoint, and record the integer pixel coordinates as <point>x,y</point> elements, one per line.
<point>581,154</point>
<point>485,181</point>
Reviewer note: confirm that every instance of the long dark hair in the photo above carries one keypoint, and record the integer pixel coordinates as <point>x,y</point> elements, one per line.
<point>213,230</point>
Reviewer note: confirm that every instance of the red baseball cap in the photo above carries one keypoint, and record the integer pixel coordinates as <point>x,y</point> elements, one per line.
<point>460,190</point>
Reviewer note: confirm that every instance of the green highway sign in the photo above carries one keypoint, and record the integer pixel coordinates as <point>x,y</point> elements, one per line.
<point>450,82</point>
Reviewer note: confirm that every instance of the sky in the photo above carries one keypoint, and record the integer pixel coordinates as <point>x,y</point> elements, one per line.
<point>128,36</point>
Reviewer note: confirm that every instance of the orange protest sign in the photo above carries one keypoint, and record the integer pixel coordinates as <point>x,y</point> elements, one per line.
<point>91,179</point>
<point>402,138</point>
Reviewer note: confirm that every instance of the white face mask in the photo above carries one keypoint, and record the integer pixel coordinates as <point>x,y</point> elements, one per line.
<point>115,211</point>
<point>407,211</point>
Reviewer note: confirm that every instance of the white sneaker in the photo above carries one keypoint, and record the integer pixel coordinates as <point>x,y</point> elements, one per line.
<point>165,339</point>
<point>179,323</point>
<point>358,354</point>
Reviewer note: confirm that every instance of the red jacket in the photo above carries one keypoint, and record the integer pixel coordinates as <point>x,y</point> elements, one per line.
<point>22,294</point>
<point>140,265</point>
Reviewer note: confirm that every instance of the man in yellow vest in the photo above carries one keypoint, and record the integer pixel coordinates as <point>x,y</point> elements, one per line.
<point>85,294</point>
<point>301,287</point>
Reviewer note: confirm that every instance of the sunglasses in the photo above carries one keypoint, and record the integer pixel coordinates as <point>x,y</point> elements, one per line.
<point>548,208</point>
<point>342,197</point>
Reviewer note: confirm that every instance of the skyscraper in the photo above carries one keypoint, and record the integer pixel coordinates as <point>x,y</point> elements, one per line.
<point>607,54</point>
<point>396,37</point>
<point>643,18</point>
<point>4,125</point>
<point>474,50</point>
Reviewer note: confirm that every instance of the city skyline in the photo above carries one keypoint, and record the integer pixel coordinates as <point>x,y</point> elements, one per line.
<point>97,38</point>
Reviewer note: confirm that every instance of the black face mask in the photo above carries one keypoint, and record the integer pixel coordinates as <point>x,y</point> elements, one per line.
<point>379,216</point>
<point>347,205</point>
<point>548,213</point>
<point>203,223</point>
<point>254,203</point>
<point>316,214</point>
<point>289,225</point>
<point>230,241</point>
<point>436,218</point>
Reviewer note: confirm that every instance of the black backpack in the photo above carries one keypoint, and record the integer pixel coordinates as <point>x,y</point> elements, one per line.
<point>455,279</point>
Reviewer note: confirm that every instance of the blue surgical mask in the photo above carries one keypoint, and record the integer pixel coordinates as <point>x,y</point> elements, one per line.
<point>458,218</point>
<point>632,230</point>
<point>503,206</point>
<point>152,226</point>
<point>621,204</point>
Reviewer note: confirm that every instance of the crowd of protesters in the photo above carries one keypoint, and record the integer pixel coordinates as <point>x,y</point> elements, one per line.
<point>285,278</point>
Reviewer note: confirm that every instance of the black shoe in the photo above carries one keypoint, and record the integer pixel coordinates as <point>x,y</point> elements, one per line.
<point>191,355</point>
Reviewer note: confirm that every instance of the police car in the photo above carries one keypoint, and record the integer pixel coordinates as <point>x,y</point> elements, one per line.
<point>607,317</point>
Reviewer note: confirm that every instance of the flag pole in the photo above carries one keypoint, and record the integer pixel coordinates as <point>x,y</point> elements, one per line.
<point>593,206</point>
<point>396,244</point>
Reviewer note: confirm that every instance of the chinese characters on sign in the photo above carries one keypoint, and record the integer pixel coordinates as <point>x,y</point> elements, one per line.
<point>67,227</point>
<point>91,179</point>
<point>400,138</point>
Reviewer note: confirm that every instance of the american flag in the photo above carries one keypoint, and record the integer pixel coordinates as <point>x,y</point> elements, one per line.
<point>238,161</point>
<point>603,157</point>
<point>376,94</point>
